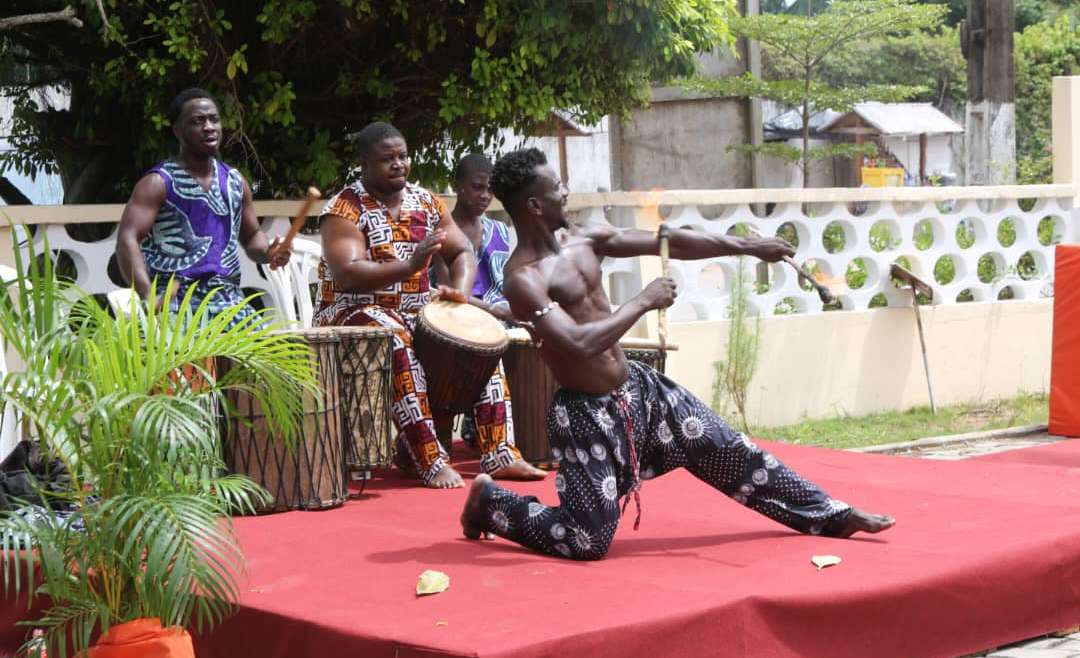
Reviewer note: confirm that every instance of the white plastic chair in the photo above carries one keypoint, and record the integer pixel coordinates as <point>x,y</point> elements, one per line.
<point>289,287</point>
<point>10,432</point>
<point>120,301</point>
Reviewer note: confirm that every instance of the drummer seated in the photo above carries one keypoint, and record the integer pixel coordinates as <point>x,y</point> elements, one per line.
<point>379,236</point>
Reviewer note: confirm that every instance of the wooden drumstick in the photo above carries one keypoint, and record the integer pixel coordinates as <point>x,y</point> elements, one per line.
<point>663,233</point>
<point>824,294</point>
<point>313,195</point>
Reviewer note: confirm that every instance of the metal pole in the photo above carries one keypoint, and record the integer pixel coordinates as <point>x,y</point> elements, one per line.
<point>922,344</point>
<point>663,233</point>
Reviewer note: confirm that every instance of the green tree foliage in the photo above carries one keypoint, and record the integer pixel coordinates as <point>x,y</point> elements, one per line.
<point>296,77</point>
<point>1042,51</point>
<point>927,59</point>
<point>803,45</point>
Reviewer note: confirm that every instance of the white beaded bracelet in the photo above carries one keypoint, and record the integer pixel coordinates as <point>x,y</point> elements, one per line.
<point>547,309</point>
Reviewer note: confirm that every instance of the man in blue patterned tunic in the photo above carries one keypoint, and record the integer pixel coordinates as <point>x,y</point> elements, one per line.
<point>187,217</point>
<point>615,423</point>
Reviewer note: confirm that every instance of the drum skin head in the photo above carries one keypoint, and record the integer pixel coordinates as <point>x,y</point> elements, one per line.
<point>464,323</point>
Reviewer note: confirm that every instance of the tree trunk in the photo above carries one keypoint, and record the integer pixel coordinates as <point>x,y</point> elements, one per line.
<point>84,185</point>
<point>806,138</point>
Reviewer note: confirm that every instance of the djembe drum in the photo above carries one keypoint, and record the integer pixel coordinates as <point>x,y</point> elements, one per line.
<point>459,347</point>
<point>312,475</point>
<point>365,375</point>
<point>532,386</point>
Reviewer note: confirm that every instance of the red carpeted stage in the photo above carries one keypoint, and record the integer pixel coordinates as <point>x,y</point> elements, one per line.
<point>985,552</point>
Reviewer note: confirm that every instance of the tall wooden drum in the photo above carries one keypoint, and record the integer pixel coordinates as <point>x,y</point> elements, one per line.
<point>366,377</point>
<point>312,476</point>
<point>459,346</point>
<point>532,386</point>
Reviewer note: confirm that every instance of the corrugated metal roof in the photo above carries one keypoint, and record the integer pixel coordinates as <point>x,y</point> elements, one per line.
<point>903,119</point>
<point>789,123</point>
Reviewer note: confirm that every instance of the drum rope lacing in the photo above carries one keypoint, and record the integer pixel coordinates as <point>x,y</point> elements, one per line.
<point>628,425</point>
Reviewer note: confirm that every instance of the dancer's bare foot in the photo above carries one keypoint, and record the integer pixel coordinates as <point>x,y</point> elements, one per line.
<point>860,521</point>
<point>472,508</point>
<point>519,470</point>
<point>446,478</point>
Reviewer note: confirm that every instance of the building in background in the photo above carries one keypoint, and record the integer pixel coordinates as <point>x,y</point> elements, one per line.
<point>915,137</point>
<point>580,153</point>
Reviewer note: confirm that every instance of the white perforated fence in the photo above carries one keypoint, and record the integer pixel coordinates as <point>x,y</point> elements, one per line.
<point>88,254</point>
<point>1000,247</point>
<point>969,244</point>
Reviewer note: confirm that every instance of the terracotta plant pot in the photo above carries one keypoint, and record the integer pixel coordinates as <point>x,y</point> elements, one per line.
<point>143,638</point>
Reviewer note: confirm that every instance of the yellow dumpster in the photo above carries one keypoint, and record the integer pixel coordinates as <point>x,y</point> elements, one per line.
<point>883,176</point>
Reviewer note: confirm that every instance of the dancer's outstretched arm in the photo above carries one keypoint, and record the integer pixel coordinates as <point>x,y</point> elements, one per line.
<point>684,244</point>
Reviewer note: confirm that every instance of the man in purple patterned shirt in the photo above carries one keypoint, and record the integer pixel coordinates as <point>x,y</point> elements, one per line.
<point>188,217</point>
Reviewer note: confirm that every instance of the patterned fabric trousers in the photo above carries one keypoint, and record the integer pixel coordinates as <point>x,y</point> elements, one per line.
<point>412,414</point>
<point>667,428</point>
<point>226,293</point>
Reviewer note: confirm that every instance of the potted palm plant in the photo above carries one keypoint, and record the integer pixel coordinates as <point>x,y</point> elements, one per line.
<point>148,550</point>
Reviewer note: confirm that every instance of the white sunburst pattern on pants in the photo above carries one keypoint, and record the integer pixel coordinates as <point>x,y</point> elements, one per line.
<point>562,419</point>
<point>607,486</point>
<point>536,511</point>
<point>748,447</point>
<point>582,539</point>
<point>500,515</point>
<point>560,483</point>
<point>664,434</point>
<point>604,421</point>
<point>500,521</point>
<point>616,452</point>
<point>760,477</point>
<point>693,428</point>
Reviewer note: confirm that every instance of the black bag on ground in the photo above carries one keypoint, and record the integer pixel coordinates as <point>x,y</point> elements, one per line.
<point>27,478</point>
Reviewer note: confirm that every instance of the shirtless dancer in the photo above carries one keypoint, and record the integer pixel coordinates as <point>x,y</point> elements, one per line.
<point>615,423</point>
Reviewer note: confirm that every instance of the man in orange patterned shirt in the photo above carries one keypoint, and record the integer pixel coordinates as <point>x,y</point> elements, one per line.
<point>378,237</point>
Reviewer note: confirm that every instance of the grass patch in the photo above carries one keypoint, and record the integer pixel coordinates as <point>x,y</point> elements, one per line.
<point>917,423</point>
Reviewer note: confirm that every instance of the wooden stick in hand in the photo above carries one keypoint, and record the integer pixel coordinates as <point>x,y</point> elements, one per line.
<point>663,233</point>
<point>301,217</point>
<point>823,292</point>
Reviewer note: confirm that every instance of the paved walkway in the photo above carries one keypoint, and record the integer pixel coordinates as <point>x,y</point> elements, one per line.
<point>975,447</point>
<point>1065,646</point>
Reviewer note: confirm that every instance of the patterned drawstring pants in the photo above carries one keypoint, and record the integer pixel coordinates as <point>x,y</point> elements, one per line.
<point>670,429</point>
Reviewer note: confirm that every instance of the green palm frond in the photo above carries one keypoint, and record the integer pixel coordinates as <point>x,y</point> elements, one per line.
<point>76,621</point>
<point>237,493</point>
<point>142,445</point>
<point>182,550</point>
